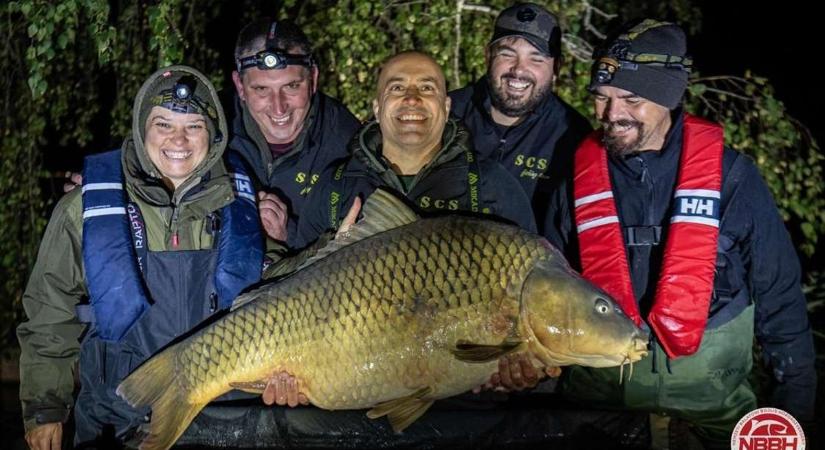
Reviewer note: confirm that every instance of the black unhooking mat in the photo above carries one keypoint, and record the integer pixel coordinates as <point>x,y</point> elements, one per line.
<point>469,421</point>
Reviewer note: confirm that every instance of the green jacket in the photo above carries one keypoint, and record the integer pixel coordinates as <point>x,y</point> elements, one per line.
<point>49,338</point>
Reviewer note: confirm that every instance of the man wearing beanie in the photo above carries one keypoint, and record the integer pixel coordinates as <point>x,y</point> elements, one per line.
<point>512,113</point>
<point>685,235</point>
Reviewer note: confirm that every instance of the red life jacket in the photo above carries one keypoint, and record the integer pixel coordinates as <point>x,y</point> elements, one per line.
<point>684,288</point>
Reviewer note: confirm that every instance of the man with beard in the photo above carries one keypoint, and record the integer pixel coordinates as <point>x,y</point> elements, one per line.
<point>414,148</point>
<point>512,113</point>
<point>685,235</point>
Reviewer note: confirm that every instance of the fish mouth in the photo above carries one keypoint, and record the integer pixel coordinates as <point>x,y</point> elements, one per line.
<point>636,351</point>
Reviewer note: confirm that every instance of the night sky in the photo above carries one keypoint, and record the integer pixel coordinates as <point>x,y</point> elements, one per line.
<point>777,41</point>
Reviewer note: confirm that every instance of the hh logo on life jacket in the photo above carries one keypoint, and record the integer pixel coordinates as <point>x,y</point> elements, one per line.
<point>697,206</point>
<point>694,208</point>
<point>243,186</point>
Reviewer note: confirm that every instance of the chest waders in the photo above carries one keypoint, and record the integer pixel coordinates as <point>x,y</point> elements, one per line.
<point>183,294</point>
<point>141,300</point>
<point>708,389</point>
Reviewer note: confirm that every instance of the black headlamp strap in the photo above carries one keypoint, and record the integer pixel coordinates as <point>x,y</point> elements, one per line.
<point>678,62</point>
<point>273,58</point>
<point>181,99</point>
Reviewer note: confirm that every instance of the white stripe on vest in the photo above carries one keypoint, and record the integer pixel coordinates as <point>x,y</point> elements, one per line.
<point>113,211</point>
<point>593,198</point>
<point>102,187</point>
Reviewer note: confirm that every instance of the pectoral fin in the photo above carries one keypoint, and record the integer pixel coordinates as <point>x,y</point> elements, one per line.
<point>479,353</point>
<point>402,412</point>
<point>252,387</point>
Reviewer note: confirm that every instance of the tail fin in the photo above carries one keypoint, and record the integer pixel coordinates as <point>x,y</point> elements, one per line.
<point>154,384</point>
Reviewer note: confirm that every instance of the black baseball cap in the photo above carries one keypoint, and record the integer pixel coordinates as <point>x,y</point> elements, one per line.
<point>531,22</point>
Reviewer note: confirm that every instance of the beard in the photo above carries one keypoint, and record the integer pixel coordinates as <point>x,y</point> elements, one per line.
<point>512,106</point>
<point>618,146</point>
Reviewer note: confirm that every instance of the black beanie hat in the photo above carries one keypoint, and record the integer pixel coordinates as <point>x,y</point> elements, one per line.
<point>649,59</point>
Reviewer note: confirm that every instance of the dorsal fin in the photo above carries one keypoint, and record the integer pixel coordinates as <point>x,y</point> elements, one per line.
<point>382,212</point>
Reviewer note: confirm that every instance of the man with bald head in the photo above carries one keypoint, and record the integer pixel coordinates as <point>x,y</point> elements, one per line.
<point>415,149</point>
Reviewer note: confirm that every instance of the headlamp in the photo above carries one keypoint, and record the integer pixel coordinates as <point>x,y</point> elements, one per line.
<point>618,56</point>
<point>271,58</point>
<point>604,70</point>
<point>181,92</point>
<point>181,98</point>
<point>274,60</point>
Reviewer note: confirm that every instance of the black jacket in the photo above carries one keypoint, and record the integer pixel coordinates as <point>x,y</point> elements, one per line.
<point>443,185</point>
<point>756,261</point>
<point>537,151</point>
<point>323,140</point>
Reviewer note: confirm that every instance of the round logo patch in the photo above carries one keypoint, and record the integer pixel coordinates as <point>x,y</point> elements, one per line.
<point>767,429</point>
<point>526,15</point>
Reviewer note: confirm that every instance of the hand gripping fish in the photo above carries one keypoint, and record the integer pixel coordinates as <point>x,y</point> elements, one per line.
<point>397,313</point>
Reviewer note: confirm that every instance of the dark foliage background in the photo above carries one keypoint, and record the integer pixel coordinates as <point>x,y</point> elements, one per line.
<point>69,70</point>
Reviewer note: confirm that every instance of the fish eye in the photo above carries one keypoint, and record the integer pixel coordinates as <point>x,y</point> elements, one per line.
<point>602,307</point>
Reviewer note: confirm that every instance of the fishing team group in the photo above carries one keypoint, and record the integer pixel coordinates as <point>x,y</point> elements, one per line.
<point>651,207</point>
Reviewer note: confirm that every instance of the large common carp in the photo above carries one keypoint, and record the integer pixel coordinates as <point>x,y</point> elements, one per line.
<point>398,313</point>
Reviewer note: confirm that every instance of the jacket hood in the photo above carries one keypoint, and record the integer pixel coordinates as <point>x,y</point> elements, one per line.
<point>136,160</point>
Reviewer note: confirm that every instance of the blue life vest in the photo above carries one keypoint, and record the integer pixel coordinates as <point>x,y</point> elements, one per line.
<point>111,248</point>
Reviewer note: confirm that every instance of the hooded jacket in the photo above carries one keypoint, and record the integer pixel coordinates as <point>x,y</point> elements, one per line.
<point>445,184</point>
<point>175,221</point>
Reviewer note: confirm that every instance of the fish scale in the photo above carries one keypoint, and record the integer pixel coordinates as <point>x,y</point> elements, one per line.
<point>382,319</point>
<point>443,294</point>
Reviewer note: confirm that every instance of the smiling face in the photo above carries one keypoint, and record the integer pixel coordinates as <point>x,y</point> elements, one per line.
<point>630,123</point>
<point>412,104</point>
<point>520,76</point>
<point>278,99</point>
<point>176,143</point>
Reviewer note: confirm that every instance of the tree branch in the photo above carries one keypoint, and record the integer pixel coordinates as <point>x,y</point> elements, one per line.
<point>479,8</point>
<point>579,48</point>
<point>457,48</point>
<point>588,14</point>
